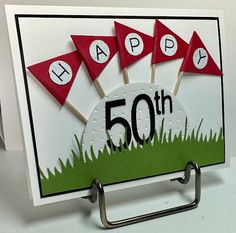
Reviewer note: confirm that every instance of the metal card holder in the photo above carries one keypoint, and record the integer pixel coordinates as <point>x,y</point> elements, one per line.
<point>97,192</point>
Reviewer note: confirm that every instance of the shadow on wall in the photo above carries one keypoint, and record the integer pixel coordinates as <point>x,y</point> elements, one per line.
<point>1,129</point>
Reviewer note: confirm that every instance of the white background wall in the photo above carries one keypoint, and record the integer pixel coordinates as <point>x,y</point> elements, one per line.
<point>7,88</point>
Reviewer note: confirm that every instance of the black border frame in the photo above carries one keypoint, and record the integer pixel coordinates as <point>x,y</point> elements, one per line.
<point>152,17</point>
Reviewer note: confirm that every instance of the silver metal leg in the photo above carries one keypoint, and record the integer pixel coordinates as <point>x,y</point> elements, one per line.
<point>98,192</point>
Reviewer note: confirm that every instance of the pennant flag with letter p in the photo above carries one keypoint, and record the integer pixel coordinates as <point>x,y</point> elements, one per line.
<point>57,76</point>
<point>167,44</point>
<point>133,44</point>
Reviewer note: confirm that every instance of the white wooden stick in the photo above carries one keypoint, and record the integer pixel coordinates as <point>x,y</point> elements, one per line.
<point>125,75</point>
<point>153,67</point>
<point>76,112</point>
<point>178,82</point>
<point>99,88</point>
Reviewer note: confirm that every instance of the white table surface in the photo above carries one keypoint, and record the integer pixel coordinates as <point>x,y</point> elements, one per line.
<point>215,214</point>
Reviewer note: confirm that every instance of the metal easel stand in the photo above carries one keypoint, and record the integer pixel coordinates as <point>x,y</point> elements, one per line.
<point>98,193</point>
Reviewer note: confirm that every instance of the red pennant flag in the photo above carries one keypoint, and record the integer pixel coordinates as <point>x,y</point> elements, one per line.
<point>96,52</point>
<point>133,44</point>
<point>198,59</point>
<point>167,45</point>
<point>57,74</point>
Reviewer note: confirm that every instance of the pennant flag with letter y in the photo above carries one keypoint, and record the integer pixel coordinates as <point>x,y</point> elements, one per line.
<point>57,76</point>
<point>96,52</point>
<point>133,45</point>
<point>197,60</point>
<point>167,46</point>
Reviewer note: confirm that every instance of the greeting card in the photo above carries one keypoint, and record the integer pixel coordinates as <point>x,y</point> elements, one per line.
<point>125,96</point>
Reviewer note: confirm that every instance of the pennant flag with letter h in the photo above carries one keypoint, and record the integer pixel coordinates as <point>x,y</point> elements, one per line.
<point>57,76</point>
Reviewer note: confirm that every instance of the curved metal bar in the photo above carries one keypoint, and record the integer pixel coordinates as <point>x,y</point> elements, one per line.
<point>98,193</point>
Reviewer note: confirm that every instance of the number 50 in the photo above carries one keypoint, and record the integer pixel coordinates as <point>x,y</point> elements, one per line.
<point>119,120</point>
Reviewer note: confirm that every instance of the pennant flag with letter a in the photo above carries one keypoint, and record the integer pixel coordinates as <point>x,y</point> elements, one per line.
<point>96,52</point>
<point>167,45</point>
<point>57,76</point>
<point>198,59</point>
<point>133,44</point>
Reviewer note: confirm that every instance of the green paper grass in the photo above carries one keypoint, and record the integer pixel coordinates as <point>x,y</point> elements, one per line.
<point>164,154</point>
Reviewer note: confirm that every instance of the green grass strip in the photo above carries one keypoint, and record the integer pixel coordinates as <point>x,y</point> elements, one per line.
<point>163,155</point>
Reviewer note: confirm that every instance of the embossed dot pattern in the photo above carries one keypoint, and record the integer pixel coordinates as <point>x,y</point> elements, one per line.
<point>95,131</point>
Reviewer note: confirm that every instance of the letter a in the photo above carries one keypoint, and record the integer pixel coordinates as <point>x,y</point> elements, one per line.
<point>99,51</point>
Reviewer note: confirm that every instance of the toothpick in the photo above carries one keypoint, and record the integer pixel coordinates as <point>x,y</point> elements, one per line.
<point>125,75</point>
<point>178,82</point>
<point>99,88</point>
<point>153,67</point>
<point>76,112</point>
